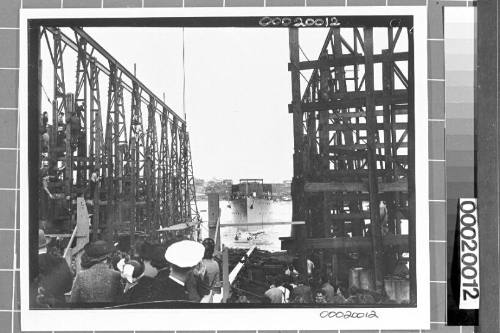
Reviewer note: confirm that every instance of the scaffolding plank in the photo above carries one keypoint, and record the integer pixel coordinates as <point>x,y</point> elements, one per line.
<point>361,114</point>
<point>298,194</point>
<point>313,187</point>
<point>347,243</point>
<point>348,60</point>
<point>350,217</point>
<point>360,146</point>
<point>354,100</point>
<point>364,127</point>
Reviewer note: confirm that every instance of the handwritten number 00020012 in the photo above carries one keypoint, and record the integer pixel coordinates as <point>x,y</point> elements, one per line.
<point>468,243</point>
<point>297,22</point>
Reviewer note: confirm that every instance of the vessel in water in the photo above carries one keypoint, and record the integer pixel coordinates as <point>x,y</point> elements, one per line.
<point>250,204</point>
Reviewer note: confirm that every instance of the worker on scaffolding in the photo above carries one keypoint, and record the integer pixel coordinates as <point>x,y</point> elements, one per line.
<point>46,195</point>
<point>93,184</point>
<point>75,126</point>
<point>61,127</point>
<point>44,120</point>
<point>45,141</point>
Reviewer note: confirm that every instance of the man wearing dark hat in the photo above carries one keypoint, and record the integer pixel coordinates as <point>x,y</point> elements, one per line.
<point>98,283</point>
<point>54,276</point>
<point>146,252</point>
<point>162,267</point>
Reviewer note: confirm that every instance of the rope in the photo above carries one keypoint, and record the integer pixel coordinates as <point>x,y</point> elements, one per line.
<point>183,76</point>
<point>303,53</point>
<point>46,95</point>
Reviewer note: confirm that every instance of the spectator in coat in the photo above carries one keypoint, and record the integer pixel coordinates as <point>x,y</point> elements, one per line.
<point>302,292</point>
<point>276,293</point>
<point>159,262</point>
<point>328,289</point>
<point>145,251</point>
<point>141,287</point>
<point>211,266</point>
<point>54,276</point>
<point>98,283</point>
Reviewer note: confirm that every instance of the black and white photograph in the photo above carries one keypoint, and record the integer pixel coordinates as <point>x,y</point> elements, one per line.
<point>232,165</point>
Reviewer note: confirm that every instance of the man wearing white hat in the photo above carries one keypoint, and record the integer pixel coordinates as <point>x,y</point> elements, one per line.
<point>183,256</point>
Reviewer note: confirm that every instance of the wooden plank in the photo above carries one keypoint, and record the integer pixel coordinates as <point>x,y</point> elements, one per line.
<point>360,114</point>
<point>412,155</point>
<point>364,127</point>
<point>346,174</point>
<point>354,100</point>
<point>133,190</point>
<point>373,186</point>
<point>348,60</point>
<point>340,148</point>
<point>236,270</point>
<point>298,195</point>
<point>225,225</point>
<point>350,217</point>
<point>359,155</point>
<point>347,243</point>
<point>347,196</point>
<point>225,275</point>
<point>398,186</point>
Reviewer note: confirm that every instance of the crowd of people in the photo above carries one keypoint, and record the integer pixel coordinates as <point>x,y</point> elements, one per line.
<point>319,286</point>
<point>184,271</point>
<point>313,289</point>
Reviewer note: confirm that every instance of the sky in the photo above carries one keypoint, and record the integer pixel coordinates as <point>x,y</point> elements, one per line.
<point>237,91</point>
<point>236,84</point>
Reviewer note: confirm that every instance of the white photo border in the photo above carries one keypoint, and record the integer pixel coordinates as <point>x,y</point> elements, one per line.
<point>251,318</point>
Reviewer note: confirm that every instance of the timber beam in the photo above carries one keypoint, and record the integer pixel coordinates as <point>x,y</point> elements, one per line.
<point>354,100</point>
<point>398,186</point>
<point>343,244</point>
<point>348,60</point>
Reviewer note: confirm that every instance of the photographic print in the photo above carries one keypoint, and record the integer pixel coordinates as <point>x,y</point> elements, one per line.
<point>236,164</point>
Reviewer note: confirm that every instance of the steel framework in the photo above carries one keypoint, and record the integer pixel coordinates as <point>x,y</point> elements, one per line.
<point>353,152</point>
<point>133,183</point>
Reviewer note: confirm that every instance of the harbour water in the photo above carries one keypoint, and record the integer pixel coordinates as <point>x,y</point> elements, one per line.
<point>279,211</point>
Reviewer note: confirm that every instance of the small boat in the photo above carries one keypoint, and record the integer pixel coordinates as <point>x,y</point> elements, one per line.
<point>248,236</point>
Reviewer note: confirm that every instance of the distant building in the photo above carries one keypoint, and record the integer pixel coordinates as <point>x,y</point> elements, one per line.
<point>287,187</point>
<point>199,182</point>
<point>221,187</point>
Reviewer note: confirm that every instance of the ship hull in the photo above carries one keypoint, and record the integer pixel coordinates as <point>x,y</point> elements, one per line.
<point>250,210</point>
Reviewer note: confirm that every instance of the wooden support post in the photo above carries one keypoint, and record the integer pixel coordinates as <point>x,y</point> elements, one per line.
<point>357,225</point>
<point>97,209</point>
<point>298,197</point>
<point>371,120</point>
<point>412,233</point>
<point>487,111</point>
<point>33,123</point>
<point>133,190</point>
<point>68,161</point>
<point>225,275</point>
<point>324,143</point>
<point>213,214</point>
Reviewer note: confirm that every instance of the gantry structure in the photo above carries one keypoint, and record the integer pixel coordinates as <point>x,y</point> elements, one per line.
<point>125,151</point>
<point>353,161</point>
